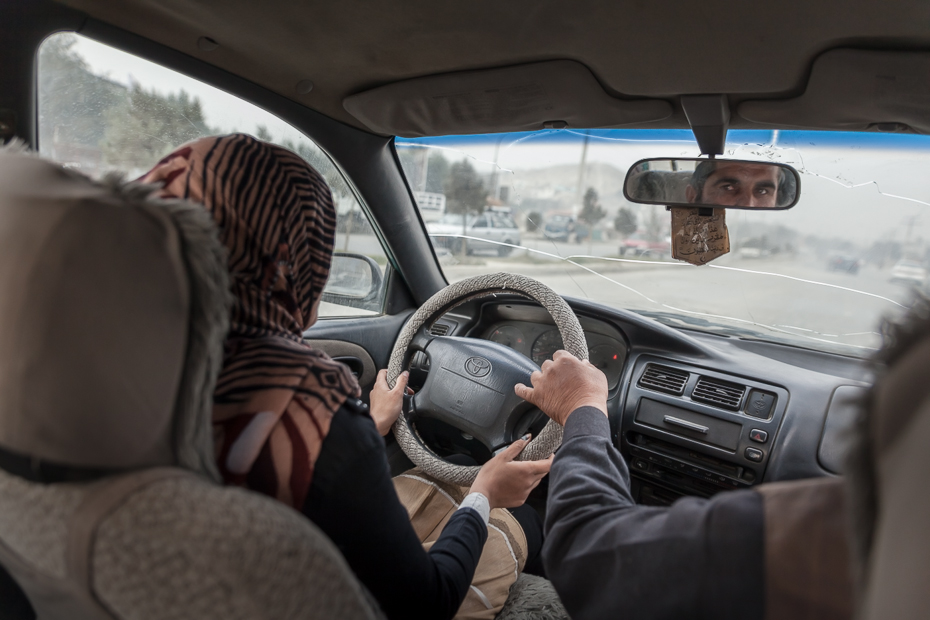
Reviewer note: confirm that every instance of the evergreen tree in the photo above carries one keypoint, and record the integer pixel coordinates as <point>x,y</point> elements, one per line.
<point>533,221</point>
<point>465,194</point>
<point>591,214</point>
<point>72,102</point>
<point>437,173</point>
<point>591,210</point>
<point>147,125</point>
<point>625,222</point>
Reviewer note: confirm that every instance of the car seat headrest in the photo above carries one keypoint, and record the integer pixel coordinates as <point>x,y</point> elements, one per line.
<point>888,466</point>
<point>113,308</point>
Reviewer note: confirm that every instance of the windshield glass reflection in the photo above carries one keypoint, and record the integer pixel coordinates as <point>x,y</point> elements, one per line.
<point>820,275</point>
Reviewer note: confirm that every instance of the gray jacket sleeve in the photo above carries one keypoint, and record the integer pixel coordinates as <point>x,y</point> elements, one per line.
<point>610,558</point>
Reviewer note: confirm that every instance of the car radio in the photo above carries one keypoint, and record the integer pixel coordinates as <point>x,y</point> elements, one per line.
<point>693,431</point>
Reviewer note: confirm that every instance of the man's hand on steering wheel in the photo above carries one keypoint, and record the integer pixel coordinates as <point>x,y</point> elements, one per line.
<point>565,384</point>
<point>506,482</point>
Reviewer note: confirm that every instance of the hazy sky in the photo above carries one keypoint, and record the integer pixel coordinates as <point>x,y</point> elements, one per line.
<point>863,187</point>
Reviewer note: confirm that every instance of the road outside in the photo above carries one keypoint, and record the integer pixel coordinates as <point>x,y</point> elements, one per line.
<point>795,297</point>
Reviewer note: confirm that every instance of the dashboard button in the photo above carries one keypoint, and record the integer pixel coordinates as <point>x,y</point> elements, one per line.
<point>759,404</point>
<point>754,454</point>
<point>758,436</point>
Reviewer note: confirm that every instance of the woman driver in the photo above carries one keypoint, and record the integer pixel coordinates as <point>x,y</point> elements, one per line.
<point>287,419</point>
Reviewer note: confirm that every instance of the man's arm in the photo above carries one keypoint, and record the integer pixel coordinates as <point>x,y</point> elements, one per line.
<point>608,557</point>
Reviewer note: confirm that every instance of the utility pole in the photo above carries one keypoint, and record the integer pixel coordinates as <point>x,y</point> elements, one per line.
<point>581,169</point>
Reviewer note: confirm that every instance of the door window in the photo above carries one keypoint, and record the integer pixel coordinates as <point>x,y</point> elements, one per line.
<point>101,109</point>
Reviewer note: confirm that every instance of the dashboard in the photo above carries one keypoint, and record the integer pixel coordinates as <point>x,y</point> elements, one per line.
<point>694,413</point>
<point>540,341</point>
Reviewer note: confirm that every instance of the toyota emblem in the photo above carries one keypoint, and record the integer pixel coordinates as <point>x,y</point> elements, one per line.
<point>477,366</point>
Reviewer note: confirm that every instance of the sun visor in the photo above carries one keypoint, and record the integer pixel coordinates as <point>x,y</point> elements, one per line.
<point>855,90</point>
<point>552,94</point>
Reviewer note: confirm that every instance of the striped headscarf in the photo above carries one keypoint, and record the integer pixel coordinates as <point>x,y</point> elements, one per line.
<point>276,396</point>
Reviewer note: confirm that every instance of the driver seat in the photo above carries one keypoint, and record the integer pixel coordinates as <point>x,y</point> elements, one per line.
<point>113,311</point>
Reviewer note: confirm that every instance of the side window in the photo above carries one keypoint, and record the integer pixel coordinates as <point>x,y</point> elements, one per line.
<point>482,222</point>
<point>101,109</point>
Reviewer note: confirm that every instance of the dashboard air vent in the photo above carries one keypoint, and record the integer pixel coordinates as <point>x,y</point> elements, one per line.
<point>439,329</point>
<point>718,393</point>
<point>664,379</point>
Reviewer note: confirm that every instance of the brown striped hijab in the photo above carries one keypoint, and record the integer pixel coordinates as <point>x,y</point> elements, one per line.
<point>276,396</point>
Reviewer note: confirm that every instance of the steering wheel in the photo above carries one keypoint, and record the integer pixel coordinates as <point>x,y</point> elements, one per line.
<point>470,382</point>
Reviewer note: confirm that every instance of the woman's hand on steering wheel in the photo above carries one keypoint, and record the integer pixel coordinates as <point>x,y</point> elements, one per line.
<point>506,482</point>
<point>387,404</point>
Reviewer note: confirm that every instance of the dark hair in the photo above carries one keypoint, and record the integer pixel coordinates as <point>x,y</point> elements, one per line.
<point>787,184</point>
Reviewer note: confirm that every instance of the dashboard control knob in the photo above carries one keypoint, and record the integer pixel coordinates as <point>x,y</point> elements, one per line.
<point>754,454</point>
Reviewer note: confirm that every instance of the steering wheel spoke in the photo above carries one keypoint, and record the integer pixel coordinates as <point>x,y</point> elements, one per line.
<point>470,387</point>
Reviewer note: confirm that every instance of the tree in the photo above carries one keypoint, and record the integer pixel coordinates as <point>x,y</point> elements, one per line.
<point>655,223</point>
<point>591,212</point>
<point>72,104</point>
<point>437,173</point>
<point>147,125</point>
<point>465,194</point>
<point>625,222</point>
<point>533,221</point>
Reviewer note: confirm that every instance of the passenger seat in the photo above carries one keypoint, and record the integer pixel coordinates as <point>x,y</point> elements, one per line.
<point>113,311</point>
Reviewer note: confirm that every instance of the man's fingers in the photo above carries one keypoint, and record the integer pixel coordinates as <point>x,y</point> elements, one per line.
<point>534,468</point>
<point>545,365</point>
<point>381,379</point>
<point>526,393</point>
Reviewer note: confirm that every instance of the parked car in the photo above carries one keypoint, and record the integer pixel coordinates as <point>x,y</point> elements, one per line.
<point>637,245</point>
<point>909,272</point>
<point>490,231</point>
<point>559,228</point>
<point>842,262</point>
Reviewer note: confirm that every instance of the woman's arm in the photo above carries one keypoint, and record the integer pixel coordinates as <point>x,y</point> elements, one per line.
<point>352,499</point>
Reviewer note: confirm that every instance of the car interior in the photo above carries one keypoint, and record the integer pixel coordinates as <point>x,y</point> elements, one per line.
<point>723,376</point>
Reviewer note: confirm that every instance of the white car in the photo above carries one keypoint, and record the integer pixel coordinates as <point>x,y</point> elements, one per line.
<point>909,272</point>
<point>498,229</point>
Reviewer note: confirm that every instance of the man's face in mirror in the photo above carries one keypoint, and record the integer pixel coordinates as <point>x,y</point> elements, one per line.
<point>737,184</point>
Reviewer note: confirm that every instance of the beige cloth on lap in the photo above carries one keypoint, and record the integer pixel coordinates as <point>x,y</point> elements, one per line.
<point>430,504</point>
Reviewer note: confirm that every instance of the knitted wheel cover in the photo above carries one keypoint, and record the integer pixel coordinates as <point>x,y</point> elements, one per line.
<point>455,295</point>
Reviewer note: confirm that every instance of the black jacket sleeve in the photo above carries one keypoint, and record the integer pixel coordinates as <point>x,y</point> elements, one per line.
<point>352,499</point>
<point>610,558</point>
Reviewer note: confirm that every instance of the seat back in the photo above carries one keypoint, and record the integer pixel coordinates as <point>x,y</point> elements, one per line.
<point>165,543</point>
<point>113,311</point>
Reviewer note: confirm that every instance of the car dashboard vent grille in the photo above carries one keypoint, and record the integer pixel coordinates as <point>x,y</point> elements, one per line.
<point>439,329</point>
<point>664,379</point>
<point>718,393</point>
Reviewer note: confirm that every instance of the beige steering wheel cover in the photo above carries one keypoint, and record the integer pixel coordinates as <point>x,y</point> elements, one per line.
<point>455,295</point>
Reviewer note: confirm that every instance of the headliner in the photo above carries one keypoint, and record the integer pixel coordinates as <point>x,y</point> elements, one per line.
<point>747,50</point>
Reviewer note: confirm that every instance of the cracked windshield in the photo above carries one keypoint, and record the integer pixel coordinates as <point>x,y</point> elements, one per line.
<point>821,275</point>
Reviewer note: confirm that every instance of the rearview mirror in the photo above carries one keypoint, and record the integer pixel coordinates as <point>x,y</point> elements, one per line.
<point>727,183</point>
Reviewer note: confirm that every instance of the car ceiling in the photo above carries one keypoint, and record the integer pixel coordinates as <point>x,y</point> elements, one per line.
<point>635,49</point>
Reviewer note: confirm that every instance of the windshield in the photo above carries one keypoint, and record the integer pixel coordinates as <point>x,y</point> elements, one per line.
<point>820,275</point>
